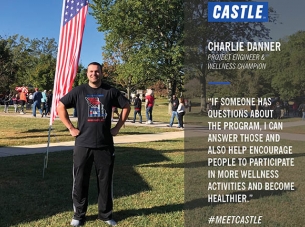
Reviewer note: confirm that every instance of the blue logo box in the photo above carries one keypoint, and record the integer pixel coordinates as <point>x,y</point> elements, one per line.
<point>237,11</point>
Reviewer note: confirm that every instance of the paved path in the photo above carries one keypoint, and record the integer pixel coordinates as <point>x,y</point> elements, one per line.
<point>190,131</point>
<point>61,146</point>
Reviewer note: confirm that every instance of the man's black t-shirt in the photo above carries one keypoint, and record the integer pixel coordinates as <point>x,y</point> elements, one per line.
<point>94,106</point>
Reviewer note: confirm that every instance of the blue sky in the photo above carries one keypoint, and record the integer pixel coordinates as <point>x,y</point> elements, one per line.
<point>41,18</point>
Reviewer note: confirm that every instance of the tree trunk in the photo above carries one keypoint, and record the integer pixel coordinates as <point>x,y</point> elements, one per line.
<point>174,87</point>
<point>203,96</point>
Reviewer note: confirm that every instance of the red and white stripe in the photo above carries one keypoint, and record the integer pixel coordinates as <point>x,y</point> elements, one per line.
<point>69,48</point>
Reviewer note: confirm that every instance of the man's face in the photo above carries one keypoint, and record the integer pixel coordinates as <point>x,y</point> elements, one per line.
<point>94,74</point>
<point>174,96</point>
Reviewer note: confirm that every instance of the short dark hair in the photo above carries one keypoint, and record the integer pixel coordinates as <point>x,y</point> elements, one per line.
<point>96,63</point>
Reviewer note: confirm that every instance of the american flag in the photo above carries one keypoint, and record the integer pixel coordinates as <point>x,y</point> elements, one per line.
<point>74,14</point>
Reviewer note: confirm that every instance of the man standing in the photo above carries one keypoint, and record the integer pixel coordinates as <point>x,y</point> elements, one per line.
<point>37,96</point>
<point>174,102</point>
<point>94,141</point>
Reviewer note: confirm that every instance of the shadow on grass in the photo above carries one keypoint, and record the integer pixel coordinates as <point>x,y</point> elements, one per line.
<point>135,133</point>
<point>45,130</point>
<point>27,197</point>
<point>33,136</point>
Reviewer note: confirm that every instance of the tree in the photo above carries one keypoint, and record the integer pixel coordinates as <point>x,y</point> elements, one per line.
<point>81,76</point>
<point>33,61</point>
<point>42,73</point>
<point>287,67</point>
<point>160,89</point>
<point>6,66</point>
<point>145,37</point>
<point>192,87</point>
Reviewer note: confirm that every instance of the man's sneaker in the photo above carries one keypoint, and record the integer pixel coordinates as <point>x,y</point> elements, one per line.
<point>111,222</point>
<point>168,126</point>
<point>75,222</point>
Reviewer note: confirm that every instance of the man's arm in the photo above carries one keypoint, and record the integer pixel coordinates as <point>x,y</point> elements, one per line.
<point>123,117</point>
<point>64,117</point>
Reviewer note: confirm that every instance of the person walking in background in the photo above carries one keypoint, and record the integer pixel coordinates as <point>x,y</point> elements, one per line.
<point>49,101</point>
<point>6,102</point>
<point>74,112</point>
<point>114,111</point>
<point>23,100</point>
<point>149,104</point>
<point>295,109</point>
<point>302,110</point>
<point>15,100</point>
<point>30,101</point>
<point>277,110</point>
<point>174,102</point>
<point>181,112</point>
<point>44,103</point>
<point>93,141</point>
<point>137,109</point>
<point>37,96</point>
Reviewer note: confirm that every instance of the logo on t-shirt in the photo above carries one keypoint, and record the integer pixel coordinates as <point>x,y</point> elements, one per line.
<point>96,111</point>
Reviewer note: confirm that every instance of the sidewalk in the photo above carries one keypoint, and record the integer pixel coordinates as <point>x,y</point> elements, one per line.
<point>63,146</point>
<point>190,131</point>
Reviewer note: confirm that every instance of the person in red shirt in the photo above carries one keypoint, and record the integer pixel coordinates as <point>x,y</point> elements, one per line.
<point>149,104</point>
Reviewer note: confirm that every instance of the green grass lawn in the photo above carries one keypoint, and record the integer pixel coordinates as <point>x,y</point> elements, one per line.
<point>150,182</point>
<point>148,188</point>
<point>19,131</point>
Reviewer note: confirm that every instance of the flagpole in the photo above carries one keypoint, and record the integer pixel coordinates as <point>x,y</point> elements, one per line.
<point>46,157</point>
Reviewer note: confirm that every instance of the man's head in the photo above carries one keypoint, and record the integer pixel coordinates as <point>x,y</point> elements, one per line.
<point>94,74</point>
<point>174,96</point>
